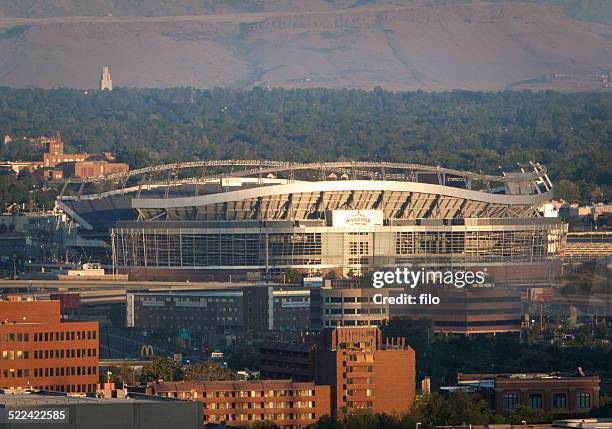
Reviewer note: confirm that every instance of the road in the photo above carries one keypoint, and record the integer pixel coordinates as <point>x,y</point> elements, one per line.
<point>121,343</point>
<point>107,291</point>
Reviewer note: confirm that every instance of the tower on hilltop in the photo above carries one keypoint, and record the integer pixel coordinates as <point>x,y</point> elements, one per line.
<point>106,84</point>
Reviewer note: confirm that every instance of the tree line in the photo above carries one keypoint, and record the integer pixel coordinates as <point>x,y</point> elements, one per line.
<point>430,410</point>
<point>476,131</point>
<point>441,357</point>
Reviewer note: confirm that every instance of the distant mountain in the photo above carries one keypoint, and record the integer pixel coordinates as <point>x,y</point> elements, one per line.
<point>344,43</point>
<point>588,10</point>
<point>54,8</point>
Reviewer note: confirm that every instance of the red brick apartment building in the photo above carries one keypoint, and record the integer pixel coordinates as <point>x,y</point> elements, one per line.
<point>289,404</point>
<point>364,372</point>
<point>550,392</point>
<point>39,351</point>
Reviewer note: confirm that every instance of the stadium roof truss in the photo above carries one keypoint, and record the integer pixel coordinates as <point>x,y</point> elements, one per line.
<point>242,190</point>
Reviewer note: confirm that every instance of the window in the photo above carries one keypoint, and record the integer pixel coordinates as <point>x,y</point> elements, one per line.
<point>535,400</point>
<point>583,400</point>
<point>559,400</point>
<point>511,401</point>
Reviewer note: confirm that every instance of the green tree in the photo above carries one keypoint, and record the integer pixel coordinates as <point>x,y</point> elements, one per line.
<point>127,374</point>
<point>159,368</point>
<point>208,371</point>
<point>265,425</point>
<point>457,129</point>
<point>292,276</point>
<point>361,420</point>
<point>605,220</point>
<point>567,190</point>
<point>529,415</point>
<point>243,359</point>
<point>456,408</point>
<point>327,422</point>
<point>121,376</point>
<point>604,409</point>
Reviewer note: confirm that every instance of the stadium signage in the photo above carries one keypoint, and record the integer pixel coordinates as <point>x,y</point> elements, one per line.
<point>455,181</point>
<point>191,304</point>
<point>295,304</point>
<point>153,303</point>
<point>347,218</point>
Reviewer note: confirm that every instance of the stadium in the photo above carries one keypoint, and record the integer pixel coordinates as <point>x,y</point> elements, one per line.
<point>257,219</point>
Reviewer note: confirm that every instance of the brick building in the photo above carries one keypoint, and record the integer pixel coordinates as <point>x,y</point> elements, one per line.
<point>39,351</point>
<point>55,154</point>
<point>221,311</point>
<point>550,392</point>
<point>286,360</point>
<point>211,312</point>
<point>364,372</point>
<point>475,310</point>
<point>91,167</point>
<point>79,164</point>
<point>58,164</point>
<point>289,404</point>
<point>471,310</point>
<point>290,309</point>
<point>348,302</point>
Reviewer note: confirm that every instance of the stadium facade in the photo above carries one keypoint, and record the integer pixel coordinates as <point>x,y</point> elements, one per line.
<point>257,219</point>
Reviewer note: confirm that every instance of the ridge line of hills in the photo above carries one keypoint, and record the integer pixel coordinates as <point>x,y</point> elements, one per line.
<point>454,45</point>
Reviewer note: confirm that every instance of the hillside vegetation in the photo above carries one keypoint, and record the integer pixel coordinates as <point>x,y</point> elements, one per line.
<point>571,134</point>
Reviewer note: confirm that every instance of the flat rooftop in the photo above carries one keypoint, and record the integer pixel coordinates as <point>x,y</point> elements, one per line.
<point>36,399</point>
<point>468,377</point>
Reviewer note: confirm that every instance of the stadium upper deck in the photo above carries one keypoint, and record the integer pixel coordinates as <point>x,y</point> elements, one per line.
<point>284,191</point>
